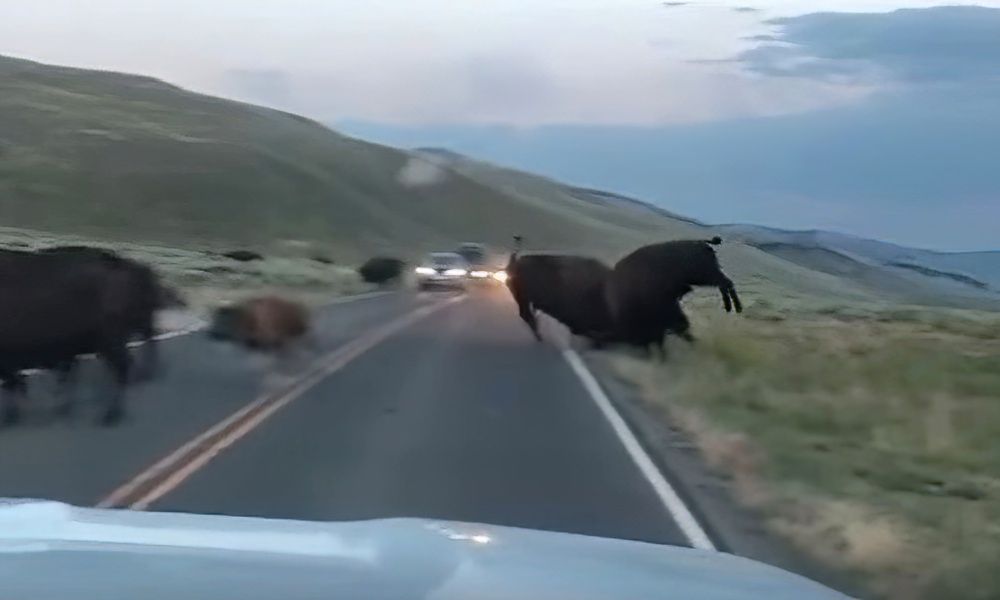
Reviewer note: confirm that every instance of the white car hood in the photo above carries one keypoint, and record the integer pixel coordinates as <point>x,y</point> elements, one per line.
<point>54,551</point>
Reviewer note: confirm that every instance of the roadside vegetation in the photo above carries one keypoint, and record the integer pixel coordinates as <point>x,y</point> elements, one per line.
<point>864,433</point>
<point>208,278</point>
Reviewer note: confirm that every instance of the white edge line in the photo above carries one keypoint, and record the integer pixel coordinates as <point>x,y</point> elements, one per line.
<point>681,514</point>
<point>355,297</point>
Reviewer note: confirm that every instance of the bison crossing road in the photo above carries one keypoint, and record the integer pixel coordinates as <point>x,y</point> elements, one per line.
<point>59,303</point>
<point>636,302</point>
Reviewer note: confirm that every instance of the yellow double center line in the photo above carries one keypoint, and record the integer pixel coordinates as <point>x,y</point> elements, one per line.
<point>166,474</point>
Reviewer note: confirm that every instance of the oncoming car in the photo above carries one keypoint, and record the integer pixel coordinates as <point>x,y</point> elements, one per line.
<point>442,269</point>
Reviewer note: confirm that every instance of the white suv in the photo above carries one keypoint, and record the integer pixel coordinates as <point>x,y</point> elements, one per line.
<point>442,269</point>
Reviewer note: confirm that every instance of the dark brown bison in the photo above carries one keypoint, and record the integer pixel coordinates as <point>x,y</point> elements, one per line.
<point>381,270</point>
<point>568,288</point>
<point>243,255</point>
<point>148,295</point>
<point>645,288</point>
<point>60,303</point>
<point>261,323</point>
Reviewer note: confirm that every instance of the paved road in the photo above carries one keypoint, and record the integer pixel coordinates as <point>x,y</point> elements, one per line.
<point>460,415</point>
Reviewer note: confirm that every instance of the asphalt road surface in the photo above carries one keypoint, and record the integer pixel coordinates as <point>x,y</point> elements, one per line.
<point>419,405</point>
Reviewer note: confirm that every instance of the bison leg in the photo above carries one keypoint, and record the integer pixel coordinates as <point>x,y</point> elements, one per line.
<point>66,378</point>
<point>150,352</point>
<point>729,298</point>
<point>14,389</point>
<point>682,327</point>
<point>528,316</point>
<point>736,299</point>
<point>150,361</point>
<point>726,302</point>
<point>118,360</point>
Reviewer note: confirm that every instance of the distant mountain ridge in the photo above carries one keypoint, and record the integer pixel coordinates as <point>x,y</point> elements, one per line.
<point>882,268</point>
<point>976,269</point>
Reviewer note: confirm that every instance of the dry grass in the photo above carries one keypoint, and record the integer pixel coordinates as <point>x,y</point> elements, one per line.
<point>866,434</point>
<point>208,280</point>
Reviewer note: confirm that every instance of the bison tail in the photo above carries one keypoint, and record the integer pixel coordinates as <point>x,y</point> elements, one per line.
<point>715,241</point>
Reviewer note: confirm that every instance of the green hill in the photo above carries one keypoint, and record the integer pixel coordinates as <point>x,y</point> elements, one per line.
<point>125,156</point>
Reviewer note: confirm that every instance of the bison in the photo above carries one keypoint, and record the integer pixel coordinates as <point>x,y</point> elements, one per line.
<point>381,270</point>
<point>62,302</point>
<point>148,294</point>
<point>565,287</point>
<point>645,288</point>
<point>243,255</point>
<point>261,323</point>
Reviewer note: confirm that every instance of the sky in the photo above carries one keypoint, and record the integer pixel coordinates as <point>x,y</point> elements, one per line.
<point>874,117</point>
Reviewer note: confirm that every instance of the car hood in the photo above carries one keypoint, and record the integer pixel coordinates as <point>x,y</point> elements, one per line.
<point>50,550</point>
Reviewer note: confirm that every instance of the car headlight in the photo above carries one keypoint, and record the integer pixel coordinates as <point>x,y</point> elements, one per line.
<point>424,271</point>
<point>480,274</point>
<point>455,272</point>
<point>500,276</point>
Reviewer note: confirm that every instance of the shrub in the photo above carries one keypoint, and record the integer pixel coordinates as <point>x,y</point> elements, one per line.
<point>381,269</point>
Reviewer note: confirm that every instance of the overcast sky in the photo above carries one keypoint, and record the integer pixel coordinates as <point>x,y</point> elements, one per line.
<point>583,66</point>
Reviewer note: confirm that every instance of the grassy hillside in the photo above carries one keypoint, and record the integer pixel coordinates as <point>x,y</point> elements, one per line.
<point>116,155</point>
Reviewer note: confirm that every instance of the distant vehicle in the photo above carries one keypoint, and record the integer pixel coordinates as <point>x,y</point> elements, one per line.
<point>53,550</point>
<point>476,255</point>
<point>442,269</point>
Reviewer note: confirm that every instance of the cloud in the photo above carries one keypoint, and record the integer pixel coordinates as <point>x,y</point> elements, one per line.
<point>504,81</point>
<point>675,4</point>
<point>746,9</point>
<point>421,172</point>
<point>928,45</point>
<point>763,37</point>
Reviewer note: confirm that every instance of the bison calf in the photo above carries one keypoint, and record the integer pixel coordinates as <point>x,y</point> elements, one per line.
<point>264,323</point>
